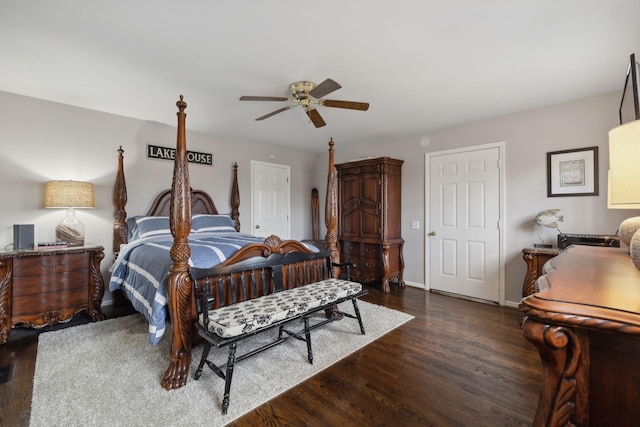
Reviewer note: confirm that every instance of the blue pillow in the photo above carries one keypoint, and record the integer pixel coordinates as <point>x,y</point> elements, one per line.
<point>152,226</point>
<point>212,223</point>
<point>132,229</point>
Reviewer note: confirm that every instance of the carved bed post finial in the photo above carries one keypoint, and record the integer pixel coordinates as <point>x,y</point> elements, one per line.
<point>235,198</point>
<point>119,202</point>
<point>179,281</point>
<point>331,211</point>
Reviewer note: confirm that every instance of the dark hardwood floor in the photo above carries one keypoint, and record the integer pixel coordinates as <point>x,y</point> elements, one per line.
<point>458,363</point>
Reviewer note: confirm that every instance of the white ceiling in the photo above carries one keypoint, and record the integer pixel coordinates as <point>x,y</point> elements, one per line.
<point>421,64</point>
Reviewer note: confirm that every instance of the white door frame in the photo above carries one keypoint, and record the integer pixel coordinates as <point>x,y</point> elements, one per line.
<point>427,206</point>
<point>256,163</point>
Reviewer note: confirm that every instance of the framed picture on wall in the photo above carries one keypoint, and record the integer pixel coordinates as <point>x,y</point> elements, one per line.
<point>572,172</point>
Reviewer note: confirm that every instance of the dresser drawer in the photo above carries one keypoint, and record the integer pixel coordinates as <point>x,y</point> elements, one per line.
<point>56,281</point>
<point>43,303</point>
<point>350,251</point>
<point>49,264</point>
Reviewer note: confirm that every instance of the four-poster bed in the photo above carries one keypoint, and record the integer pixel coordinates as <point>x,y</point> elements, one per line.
<point>181,207</point>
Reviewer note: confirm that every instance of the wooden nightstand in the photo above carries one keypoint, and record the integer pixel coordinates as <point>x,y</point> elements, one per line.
<point>43,287</point>
<point>535,258</point>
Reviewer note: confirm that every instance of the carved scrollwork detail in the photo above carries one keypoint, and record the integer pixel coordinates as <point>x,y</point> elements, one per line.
<point>560,351</point>
<point>5,301</point>
<point>95,312</point>
<point>272,244</point>
<point>179,290</point>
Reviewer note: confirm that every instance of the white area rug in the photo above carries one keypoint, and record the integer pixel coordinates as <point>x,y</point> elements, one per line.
<point>107,373</point>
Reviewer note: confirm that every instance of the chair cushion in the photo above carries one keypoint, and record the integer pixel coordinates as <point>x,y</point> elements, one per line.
<point>258,313</point>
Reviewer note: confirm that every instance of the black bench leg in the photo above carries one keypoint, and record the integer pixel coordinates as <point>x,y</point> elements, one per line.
<point>227,383</point>
<point>307,334</point>
<point>357,310</point>
<point>203,359</point>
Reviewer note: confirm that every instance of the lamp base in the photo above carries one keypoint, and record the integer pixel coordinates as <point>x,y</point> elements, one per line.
<point>70,230</point>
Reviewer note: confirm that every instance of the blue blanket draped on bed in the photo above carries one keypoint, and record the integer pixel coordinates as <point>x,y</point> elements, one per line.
<point>142,268</point>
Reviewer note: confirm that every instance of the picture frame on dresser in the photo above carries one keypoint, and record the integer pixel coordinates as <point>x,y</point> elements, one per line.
<point>572,172</point>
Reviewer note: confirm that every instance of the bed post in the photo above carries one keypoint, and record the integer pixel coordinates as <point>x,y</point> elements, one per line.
<point>331,212</point>
<point>179,282</point>
<point>119,201</point>
<point>235,198</point>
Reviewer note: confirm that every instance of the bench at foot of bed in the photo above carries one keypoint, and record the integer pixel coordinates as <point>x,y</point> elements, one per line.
<point>290,302</point>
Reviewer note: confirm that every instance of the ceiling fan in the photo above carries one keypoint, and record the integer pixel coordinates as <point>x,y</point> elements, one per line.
<point>308,96</point>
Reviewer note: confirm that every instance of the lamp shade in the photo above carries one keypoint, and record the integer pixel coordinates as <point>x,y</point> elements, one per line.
<point>68,194</point>
<point>624,166</point>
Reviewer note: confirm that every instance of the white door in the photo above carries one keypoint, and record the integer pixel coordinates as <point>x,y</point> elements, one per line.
<point>464,238</point>
<point>270,200</point>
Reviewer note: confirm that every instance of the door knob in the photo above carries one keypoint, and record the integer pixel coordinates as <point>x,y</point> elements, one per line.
<point>433,233</point>
<point>257,226</point>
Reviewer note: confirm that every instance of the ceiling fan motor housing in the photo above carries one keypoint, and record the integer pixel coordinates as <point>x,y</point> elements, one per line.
<point>300,91</point>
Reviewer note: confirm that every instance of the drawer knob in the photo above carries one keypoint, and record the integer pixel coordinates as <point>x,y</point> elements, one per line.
<point>46,265</point>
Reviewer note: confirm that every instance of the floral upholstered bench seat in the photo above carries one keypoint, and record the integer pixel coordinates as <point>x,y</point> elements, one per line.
<point>255,314</point>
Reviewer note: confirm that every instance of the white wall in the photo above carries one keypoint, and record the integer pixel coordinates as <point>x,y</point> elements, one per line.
<point>43,140</point>
<point>528,136</point>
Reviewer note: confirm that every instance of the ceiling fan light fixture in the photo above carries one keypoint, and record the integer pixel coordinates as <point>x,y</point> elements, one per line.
<point>301,89</point>
<point>308,95</point>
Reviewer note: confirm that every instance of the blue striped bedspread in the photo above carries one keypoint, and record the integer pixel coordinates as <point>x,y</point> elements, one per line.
<point>142,268</point>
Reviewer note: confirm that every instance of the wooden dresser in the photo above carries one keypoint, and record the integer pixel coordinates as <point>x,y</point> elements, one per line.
<point>369,228</point>
<point>585,323</point>
<point>42,287</point>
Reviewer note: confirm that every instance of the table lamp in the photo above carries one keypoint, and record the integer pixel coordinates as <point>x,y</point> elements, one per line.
<point>69,195</point>
<point>624,166</point>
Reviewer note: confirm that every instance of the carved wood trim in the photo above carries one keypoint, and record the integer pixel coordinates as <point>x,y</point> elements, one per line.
<point>179,281</point>
<point>577,320</point>
<point>563,364</point>
<point>6,268</point>
<point>315,215</point>
<point>97,287</point>
<point>119,203</point>
<point>331,211</point>
<point>235,198</point>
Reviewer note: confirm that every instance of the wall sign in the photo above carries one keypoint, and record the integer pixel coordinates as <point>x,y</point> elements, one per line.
<point>168,153</point>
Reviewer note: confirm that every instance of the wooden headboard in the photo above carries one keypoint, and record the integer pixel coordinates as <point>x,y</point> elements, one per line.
<point>201,203</point>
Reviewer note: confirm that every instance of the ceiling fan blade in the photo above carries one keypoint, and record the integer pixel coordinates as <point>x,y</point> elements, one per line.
<point>315,118</point>
<point>324,88</point>
<point>351,105</point>
<point>263,98</point>
<point>273,113</point>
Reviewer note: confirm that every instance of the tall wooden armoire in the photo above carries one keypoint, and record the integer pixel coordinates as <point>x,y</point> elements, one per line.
<point>369,219</point>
